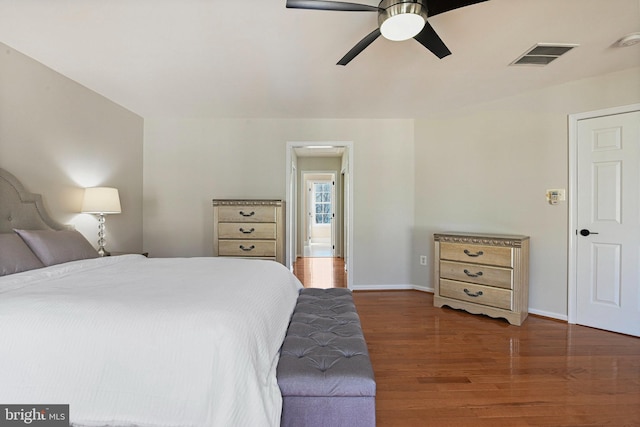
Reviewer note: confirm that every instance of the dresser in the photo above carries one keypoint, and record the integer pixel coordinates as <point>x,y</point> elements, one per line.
<point>483,274</point>
<point>249,228</point>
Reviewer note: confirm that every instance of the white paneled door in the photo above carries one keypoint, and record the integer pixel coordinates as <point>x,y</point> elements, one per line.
<point>608,223</point>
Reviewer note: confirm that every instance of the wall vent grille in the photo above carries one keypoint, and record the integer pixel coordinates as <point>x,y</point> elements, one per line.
<point>543,54</point>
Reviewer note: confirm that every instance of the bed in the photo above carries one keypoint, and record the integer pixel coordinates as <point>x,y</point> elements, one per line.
<point>135,341</point>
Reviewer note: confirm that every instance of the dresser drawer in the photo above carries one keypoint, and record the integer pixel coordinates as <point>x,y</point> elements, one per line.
<point>477,273</point>
<point>477,254</point>
<point>242,230</point>
<point>247,213</point>
<point>485,295</point>
<point>247,248</point>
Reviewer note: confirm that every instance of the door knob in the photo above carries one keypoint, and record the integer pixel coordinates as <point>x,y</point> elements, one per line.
<point>585,232</point>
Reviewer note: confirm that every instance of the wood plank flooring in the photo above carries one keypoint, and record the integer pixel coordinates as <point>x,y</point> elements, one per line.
<point>444,367</point>
<point>320,272</point>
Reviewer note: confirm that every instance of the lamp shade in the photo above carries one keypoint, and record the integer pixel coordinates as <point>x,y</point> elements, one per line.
<point>101,200</point>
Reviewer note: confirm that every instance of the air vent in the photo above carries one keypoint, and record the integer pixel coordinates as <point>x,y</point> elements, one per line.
<point>543,54</point>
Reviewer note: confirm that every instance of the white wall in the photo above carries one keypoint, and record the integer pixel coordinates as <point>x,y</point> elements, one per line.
<point>189,162</point>
<point>58,137</point>
<point>484,168</point>
<point>487,168</point>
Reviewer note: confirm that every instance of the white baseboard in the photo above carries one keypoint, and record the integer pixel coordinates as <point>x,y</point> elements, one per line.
<point>398,287</point>
<point>549,314</point>
<point>401,287</point>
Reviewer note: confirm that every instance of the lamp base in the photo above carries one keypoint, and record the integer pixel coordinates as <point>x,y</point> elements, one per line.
<point>103,252</point>
<point>101,240</point>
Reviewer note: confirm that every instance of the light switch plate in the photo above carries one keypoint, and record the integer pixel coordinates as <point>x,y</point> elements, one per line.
<point>555,195</point>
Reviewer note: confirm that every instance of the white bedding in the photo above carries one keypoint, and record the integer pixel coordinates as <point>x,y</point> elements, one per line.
<point>148,342</point>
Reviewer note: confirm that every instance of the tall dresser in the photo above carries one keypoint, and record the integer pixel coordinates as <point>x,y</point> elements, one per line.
<point>483,274</point>
<point>249,228</point>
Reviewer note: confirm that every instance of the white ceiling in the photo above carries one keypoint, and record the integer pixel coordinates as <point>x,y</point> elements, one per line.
<point>257,59</point>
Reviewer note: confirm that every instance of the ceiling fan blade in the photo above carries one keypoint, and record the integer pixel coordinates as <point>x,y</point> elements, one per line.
<point>330,5</point>
<point>362,45</point>
<point>436,7</point>
<point>432,41</point>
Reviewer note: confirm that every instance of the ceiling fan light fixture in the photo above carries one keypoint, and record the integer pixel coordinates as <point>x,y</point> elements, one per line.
<point>402,27</point>
<point>628,40</point>
<point>401,20</point>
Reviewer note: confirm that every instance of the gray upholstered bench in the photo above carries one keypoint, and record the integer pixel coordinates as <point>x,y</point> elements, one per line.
<point>324,372</point>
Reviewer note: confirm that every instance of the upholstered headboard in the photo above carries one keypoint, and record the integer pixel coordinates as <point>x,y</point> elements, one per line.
<point>22,210</point>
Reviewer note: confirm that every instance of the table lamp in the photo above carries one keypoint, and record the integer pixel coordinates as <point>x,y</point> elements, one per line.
<point>101,201</point>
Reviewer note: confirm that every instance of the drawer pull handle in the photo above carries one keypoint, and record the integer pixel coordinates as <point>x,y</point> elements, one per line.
<point>470,274</point>
<point>242,230</point>
<point>250,248</point>
<point>471,294</point>
<point>477,254</point>
<point>252,213</point>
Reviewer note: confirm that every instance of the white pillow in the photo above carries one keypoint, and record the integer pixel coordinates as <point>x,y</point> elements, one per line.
<point>55,247</point>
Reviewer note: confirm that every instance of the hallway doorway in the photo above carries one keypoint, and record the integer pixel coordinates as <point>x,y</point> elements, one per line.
<point>320,220</point>
<point>319,207</point>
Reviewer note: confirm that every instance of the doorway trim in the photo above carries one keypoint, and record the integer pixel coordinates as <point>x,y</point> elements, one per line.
<point>572,288</point>
<point>291,220</point>
<point>330,177</point>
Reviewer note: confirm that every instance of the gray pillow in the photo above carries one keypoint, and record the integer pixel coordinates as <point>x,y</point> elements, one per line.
<point>55,247</point>
<point>15,255</point>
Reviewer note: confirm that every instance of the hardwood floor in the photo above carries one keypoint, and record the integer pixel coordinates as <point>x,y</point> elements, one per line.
<point>444,367</point>
<point>320,272</point>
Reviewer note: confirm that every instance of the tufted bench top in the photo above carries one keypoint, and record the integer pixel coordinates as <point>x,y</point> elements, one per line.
<point>324,352</point>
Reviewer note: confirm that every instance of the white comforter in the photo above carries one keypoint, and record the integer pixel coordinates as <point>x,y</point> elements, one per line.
<point>148,342</point>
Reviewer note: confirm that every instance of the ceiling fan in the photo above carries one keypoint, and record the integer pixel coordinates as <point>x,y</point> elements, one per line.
<point>397,20</point>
